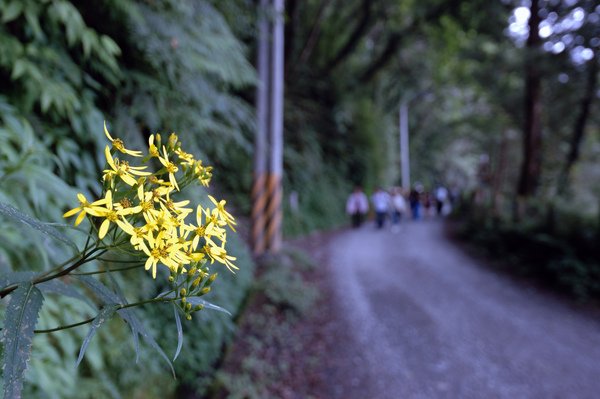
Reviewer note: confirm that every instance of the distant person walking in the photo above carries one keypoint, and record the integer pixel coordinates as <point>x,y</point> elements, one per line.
<point>414,198</point>
<point>357,206</point>
<point>398,206</point>
<point>381,204</point>
<point>427,204</point>
<point>441,196</point>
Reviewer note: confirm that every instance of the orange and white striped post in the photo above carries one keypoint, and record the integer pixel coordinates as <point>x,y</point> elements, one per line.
<point>266,189</point>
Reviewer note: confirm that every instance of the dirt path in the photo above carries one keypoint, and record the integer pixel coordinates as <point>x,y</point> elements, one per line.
<point>418,318</point>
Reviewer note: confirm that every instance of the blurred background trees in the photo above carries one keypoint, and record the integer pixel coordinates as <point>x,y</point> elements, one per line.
<point>507,118</point>
<point>480,89</point>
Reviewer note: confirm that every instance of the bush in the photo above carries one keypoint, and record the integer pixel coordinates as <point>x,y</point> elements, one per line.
<point>559,251</point>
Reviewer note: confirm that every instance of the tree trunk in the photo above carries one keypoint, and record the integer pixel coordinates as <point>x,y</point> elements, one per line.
<point>579,128</point>
<point>532,132</point>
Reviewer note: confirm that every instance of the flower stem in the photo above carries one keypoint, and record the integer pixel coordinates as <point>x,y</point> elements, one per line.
<point>138,265</point>
<point>84,258</point>
<point>119,307</point>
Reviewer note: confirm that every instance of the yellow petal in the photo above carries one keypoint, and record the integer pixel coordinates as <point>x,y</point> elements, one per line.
<point>71,212</point>
<point>103,229</point>
<point>108,199</point>
<point>129,180</point>
<point>126,227</point>
<point>214,201</point>
<point>134,153</point>
<point>140,192</point>
<point>173,181</point>
<point>79,218</point>
<point>148,263</point>
<point>107,133</point>
<point>109,158</point>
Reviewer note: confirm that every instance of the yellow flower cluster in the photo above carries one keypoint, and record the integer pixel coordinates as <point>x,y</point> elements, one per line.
<point>139,207</point>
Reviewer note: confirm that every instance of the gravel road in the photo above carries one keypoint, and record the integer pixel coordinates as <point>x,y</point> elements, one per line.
<point>425,320</point>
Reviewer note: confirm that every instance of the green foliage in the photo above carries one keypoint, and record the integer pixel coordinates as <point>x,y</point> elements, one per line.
<point>45,228</point>
<point>65,66</point>
<point>368,138</point>
<point>282,294</point>
<point>321,204</point>
<point>183,62</point>
<point>285,287</point>
<point>17,335</point>
<point>557,248</point>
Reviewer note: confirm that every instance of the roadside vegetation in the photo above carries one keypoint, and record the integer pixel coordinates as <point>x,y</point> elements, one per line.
<point>557,248</point>
<point>507,119</point>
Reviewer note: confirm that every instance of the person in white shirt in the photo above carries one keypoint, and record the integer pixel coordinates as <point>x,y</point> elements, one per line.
<point>357,206</point>
<point>398,205</point>
<point>381,204</point>
<point>441,196</point>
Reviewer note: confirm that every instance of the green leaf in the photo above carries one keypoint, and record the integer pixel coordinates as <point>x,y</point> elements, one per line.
<point>179,332</point>
<point>21,317</point>
<point>46,100</point>
<point>125,313</point>
<point>7,279</point>
<point>88,40</point>
<point>34,23</point>
<point>12,11</point>
<point>19,68</point>
<point>15,214</point>
<point>62,288</point>
<point>137,328</point>
<point>104,315</point>
<point>194,300</point>
<point>110,45</point>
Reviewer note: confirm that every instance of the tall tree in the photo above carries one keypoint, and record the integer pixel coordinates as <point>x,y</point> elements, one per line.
<point>532,131</point>
<point>580,124</point>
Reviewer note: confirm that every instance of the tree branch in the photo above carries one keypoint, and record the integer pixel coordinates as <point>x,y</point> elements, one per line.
<point>309,45</point>
<point>395,38</point>
<point>354,38</point>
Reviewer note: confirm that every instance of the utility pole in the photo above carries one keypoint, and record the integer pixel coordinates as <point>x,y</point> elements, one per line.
<point>259,197</point>
<point>404,153</point>
<point>268,157</point>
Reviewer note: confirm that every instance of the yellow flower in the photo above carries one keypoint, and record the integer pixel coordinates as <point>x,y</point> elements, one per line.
<point>172,142</point>
<point>214,225</point>
<point>122,169</point>
<point>110,215</point>
<point>185,157</point>
<point>176,208</point>
<point>138,235</point>
<point>127,208</point>
<point>196,256</point>
<point>199,230</point>
<point>119,146</point>
<point>161,219</point>
<point>84,208</point>
<point>220,255</point>
<point>170,167</point>
<point>152,149</point>
<point>222,213</point>
<point>145,197</point>
<point>159,182</point>
<point>166,251</point>
<point>204,174</point>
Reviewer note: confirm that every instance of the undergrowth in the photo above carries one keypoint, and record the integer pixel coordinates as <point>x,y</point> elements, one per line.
<point>267,345</point>
<point>560,252</point>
